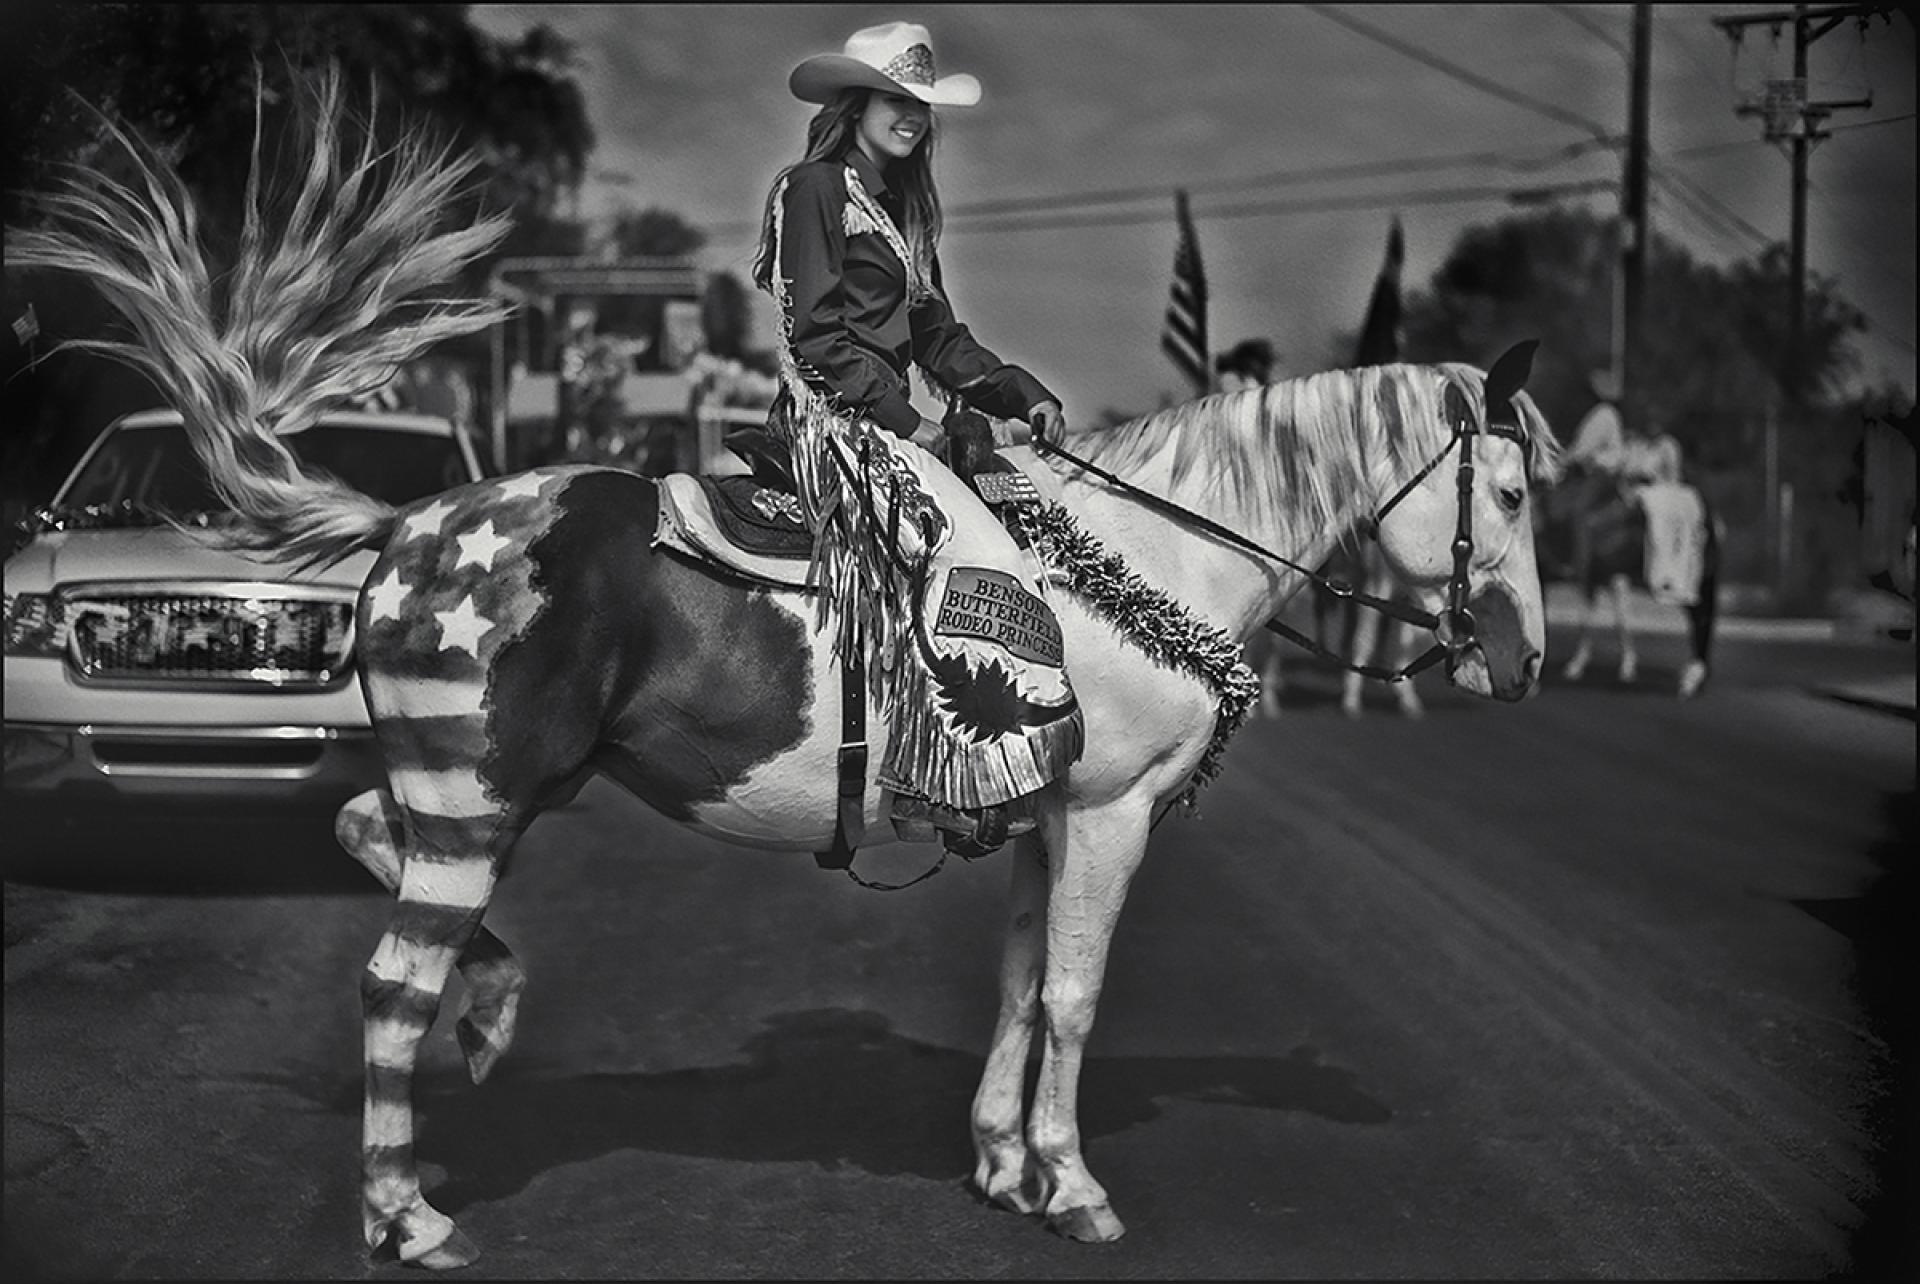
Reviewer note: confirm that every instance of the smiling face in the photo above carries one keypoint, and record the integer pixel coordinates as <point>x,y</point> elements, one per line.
<point>891,126</point>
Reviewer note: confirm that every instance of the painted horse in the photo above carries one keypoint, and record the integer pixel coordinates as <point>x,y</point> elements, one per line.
<point>1594,535</point>
<point>519,635</point>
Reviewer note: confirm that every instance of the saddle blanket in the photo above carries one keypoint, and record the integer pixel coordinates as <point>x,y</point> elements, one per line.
<point>1676,557</point>
<point>738,524</point>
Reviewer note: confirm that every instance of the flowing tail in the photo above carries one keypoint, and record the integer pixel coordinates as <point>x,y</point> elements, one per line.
<point>321,304</point>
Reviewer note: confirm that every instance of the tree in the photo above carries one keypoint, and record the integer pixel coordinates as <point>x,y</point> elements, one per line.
<point>655,233</point>
<point>183,75</point>
<point>1710,356</point>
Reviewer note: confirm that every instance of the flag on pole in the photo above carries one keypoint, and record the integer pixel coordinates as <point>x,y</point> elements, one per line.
<point>1184,335</point>
<point>1380,333</point>
<point>26,326</point>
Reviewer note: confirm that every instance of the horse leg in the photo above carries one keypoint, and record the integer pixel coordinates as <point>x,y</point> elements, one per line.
<point>1093,854</point>
<point>1576,665</point>
<point>1366,636</point>
<point>1700,617</point>
<point>1629,660</point>
<point>1272,682</point>
<point>446,881</point>
<point>369,827</point>
<point>1405,640</point>
<point>1004,1169</point>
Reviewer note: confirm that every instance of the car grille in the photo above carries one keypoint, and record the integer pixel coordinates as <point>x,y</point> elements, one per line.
<point>211,639</point>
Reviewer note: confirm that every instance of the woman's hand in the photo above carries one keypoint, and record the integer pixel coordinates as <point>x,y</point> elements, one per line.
<point>1048,420</point>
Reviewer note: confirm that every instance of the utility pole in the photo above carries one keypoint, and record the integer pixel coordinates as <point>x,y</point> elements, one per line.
<point>1633,223</point>
<point>1790,117</point>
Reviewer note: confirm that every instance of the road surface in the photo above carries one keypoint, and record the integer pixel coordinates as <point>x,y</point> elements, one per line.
<point>1600,984</point>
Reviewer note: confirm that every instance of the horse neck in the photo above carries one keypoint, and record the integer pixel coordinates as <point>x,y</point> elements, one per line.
<point>1229,458</point>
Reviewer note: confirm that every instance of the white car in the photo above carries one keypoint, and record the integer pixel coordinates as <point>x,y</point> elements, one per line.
<point>142,665</point>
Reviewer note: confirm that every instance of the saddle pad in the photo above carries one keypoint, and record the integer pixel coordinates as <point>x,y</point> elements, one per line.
<point>738,524</point>
<point>1676,542</point>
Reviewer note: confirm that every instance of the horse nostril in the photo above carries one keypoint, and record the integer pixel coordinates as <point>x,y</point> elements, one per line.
<point>1530,667</point>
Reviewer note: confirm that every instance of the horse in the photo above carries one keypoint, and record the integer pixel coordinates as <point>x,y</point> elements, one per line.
<point>1594,536</point>
<point>520,635</point>
<point>1350,634</point>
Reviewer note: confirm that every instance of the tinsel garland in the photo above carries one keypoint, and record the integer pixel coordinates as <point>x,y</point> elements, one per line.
<point>1154,622</point>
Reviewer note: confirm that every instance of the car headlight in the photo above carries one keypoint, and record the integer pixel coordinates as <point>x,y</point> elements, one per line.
<point>36,624</point>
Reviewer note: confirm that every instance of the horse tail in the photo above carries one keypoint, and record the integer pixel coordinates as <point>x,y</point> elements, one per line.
<point>323,302</point>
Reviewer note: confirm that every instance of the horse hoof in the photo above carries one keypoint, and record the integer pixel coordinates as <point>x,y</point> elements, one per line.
<point>1692,678</point>
<point>1413,710</point>
<point>1095,1225</point>
<point>1629,669</point>
<point>455,1251</point>
<point>482,1053</point>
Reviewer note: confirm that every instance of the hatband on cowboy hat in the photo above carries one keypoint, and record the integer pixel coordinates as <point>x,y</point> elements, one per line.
<point>894,57</point>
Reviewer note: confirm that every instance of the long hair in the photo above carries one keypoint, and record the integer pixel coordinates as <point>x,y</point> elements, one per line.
<point>831,136</point>
<point>324,301</point>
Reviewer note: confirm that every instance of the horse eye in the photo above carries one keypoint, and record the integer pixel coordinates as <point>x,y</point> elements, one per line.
<point>1511,497</point>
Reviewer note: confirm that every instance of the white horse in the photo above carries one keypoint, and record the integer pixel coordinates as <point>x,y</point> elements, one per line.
<point>521,634</point>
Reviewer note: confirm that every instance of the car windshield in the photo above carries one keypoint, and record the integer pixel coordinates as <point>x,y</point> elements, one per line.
<point>156,467</point>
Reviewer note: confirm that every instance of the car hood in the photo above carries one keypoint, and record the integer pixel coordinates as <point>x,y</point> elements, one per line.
<point>156,553</point>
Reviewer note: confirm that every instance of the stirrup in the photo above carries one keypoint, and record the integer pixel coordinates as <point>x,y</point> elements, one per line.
<point>966,831</point>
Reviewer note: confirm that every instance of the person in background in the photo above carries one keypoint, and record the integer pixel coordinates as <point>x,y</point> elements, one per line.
<point>1248,364</point>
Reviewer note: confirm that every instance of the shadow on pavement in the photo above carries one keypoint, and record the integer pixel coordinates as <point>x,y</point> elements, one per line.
<point>1879,922</point>
<point>174,852</point>
<point>831,1087</point>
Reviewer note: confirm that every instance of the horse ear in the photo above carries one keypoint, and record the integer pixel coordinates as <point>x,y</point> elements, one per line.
<point>1510,372</point>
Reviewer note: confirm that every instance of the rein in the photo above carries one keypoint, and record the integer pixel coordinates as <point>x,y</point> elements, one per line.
<point>1454,628</point>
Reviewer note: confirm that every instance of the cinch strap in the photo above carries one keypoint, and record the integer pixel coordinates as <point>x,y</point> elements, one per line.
<point>849,817</point>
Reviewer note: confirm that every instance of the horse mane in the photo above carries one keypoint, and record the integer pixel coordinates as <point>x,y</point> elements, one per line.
<point>1297,453</point>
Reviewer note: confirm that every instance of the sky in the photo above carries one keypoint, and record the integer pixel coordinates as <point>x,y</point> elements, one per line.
<point>1300,131</point>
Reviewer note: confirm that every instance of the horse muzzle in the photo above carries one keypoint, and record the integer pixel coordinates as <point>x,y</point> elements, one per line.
<point>1489,653</point>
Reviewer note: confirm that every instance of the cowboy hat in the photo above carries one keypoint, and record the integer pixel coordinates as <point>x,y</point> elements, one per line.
<point>895,57</point>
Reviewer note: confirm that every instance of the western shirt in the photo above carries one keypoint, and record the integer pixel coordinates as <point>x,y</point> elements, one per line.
<point>852,331</point>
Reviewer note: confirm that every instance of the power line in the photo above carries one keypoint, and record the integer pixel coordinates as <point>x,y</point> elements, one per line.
<point>1254,209</point>
<point>1720,224</point>
<point>1715,203</point>
<point>1309,173</point>
<point>1864,124</point>
<point>1592,28</point>
<point>1460,74</point>
<point>1068,201</point>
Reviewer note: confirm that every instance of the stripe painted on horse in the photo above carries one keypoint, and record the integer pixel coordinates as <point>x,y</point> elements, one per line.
<point>464,884</point>
<point>455,792</point>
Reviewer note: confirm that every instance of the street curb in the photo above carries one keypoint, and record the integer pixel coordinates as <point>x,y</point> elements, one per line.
<point>1895,696</point>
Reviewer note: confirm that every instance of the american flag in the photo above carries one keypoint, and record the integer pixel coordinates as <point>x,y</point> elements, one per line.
<point>1184,335</point>
<point>26,327</point>
<point>1380,333</point>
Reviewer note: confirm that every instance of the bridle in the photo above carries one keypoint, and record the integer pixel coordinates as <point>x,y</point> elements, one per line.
<point>1454,627</point>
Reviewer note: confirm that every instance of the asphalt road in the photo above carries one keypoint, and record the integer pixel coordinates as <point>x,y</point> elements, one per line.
<point>1598,985</point>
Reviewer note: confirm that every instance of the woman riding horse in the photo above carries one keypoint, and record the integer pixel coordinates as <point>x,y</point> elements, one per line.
<point>1616,480</point>
<point>848,250</point>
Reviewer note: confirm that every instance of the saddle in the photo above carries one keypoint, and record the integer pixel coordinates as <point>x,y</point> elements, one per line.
<point>751,528</point>
<point>750,525</point>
